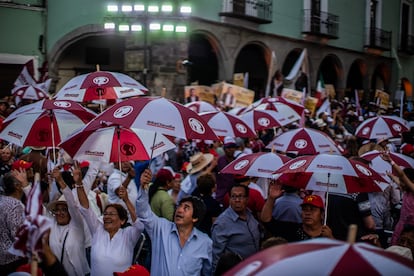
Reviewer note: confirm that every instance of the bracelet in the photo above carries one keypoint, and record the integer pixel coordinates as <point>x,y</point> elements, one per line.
<point>78,186</point>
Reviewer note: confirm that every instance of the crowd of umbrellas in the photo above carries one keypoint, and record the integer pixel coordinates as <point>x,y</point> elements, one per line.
<point>141,127</point>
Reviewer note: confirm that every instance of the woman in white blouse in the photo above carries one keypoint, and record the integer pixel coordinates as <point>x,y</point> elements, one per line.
<point>113,241</point>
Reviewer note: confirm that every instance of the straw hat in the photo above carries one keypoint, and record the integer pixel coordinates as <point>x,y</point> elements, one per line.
<point>198,162</point>
<point>60,200</point>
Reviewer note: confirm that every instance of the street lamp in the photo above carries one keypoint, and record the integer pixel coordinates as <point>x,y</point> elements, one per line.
<point>147,16</point>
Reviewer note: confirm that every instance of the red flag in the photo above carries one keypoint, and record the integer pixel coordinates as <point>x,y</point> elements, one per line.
<point>26,76</point>
<point>29,237</point>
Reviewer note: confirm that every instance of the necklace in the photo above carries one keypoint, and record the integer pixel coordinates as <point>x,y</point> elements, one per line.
<point>63,231</point>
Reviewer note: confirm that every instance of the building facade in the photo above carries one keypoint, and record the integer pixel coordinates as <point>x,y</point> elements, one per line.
<point>361,45</point>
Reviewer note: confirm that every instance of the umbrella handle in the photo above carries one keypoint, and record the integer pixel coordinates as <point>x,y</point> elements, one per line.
<point>326,201</point>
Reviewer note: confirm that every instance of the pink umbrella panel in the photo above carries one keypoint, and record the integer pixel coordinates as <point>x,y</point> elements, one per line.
<point>100,85</point>
<point>44,123</point>
<point>224,124</point>
<point>201,106</point>
<point>305,141</point>
<point>157,114</point>
<point>265,119</point>
<point>115,144</point>
<point>259,164</point>
<point>323,256</point>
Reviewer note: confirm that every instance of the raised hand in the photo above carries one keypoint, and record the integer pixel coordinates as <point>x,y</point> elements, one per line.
<point>275,190</point>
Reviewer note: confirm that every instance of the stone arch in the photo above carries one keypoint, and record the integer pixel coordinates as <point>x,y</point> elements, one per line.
<point>357,75</point>
<point>253,58</point>
<point>381,79</point>
<point>331,70</point>
<point>206,57</point>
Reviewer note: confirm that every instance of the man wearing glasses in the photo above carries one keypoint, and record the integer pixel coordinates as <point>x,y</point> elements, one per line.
<point>236,230</point>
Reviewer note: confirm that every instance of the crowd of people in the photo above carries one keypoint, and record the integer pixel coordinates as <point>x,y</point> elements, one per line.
<point>178,215</point>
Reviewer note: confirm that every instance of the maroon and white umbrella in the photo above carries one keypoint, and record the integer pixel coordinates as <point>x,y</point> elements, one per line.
<point>225,124</point>
<point>100,85</point>
<point>264,119</point>
<point>278,104</point>
<point>305,141</point>
<point>323,256</point>
<point>44,123</point>
<point>237,110</point>
<point>157,114</point>
<point>115,144</point>
<point>201,106</point>
<point>29,92</point>
<point>259,164</point>
<point>330,173</point>
<point>382,127</point>
<point>382,167</point>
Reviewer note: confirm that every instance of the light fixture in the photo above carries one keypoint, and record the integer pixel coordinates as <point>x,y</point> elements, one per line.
<point>167,8</point>
<point>123,27</point>
<point>112,8</point>
<point>109,26</point>
<point>153,8</point>
<point>155,26</point>
<point>126,8</point>
<point>180,29</point>
<point>168,28</point>
<point>185,9</point>
<point>139,7</point>
<point>136,28</point>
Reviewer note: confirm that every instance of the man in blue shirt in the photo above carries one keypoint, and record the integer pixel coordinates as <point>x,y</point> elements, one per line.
<point>236,230</point>
<point>178,248</point>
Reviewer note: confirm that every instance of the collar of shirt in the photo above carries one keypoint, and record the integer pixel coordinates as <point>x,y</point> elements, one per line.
<point>175,230</point>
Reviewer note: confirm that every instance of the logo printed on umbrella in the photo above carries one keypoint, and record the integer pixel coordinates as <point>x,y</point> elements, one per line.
<point>241,128</point>
<point>63,104</point>
<point>301,143</point>
<point>363,170</point>
<point>196,125</point>
<point>397,127</point>
<point>43,135</point>
<point>101,80</point>
<point>242,164</point>
<point>263,121</point>
<point>366,130</point>
<point>123,111</point>
<point>297,164</point>
<point>128,149</point>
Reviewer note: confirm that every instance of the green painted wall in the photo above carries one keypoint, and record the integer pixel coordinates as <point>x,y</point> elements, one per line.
<point>20,36</point>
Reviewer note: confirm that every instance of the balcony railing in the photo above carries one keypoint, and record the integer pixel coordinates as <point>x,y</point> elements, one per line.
<point>407,44</point>
<point>378,39</point>
<point>258,11</point>
<point>320,24</point>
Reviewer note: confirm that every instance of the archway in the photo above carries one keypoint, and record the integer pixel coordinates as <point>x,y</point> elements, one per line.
<point>203,62</point>
<point>355,80</point>
<point>380,79</point>
<point>251,59</point>
<point>331,71</point>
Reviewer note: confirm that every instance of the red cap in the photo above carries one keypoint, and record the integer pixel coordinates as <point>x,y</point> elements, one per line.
<point>407,149</point>
<point>84,164</point>
<point>21,164</point>
<point>164,175</point>
<point>134,270</point>
<point>27,268</point>
<point>313,200</point>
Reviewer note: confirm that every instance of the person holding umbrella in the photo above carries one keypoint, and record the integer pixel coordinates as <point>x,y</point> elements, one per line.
<point>313,212</point>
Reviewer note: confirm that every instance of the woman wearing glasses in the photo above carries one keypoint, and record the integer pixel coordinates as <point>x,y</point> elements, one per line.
<point>67,236</point>
<point>112,240</point>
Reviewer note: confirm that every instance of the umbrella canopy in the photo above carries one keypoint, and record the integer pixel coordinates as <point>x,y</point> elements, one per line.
<point>100,85</point>
<point>115,143</point>
<point>157,114</point>
<point>259,164</point>
<point>305,141</point>
<point>381,127</point>
<point>323,256</point>
<point>237,110</point>
<point>201,106</point>
<point>382,167</point>
<point>44,123</point>
<point>279,104</point>
<point>224,124</point>
<point>264,119</point>
<point>29,92</point>
<point>332,173</point>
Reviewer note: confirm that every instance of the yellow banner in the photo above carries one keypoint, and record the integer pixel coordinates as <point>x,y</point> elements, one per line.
<point>293,95</point>
<point>382,98</point>
<point>199,93</point>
